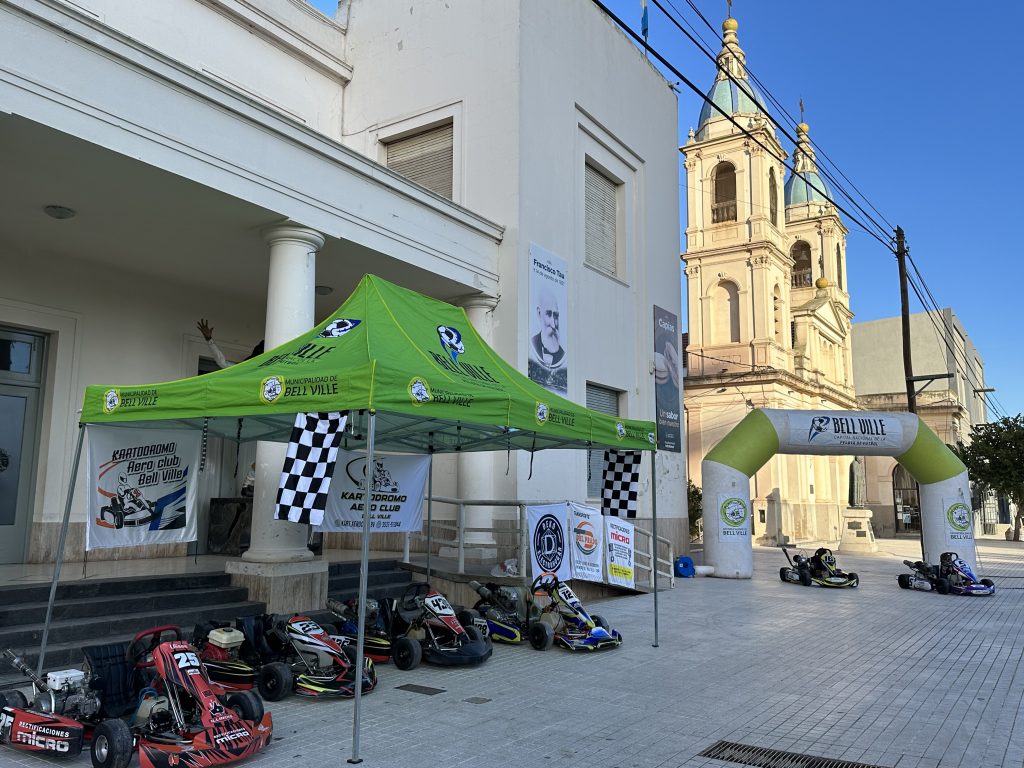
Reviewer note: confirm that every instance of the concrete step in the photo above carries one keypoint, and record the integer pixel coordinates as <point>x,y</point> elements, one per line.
<point>40,593</point>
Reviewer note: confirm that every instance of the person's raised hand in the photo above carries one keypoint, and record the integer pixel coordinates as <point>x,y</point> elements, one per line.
<point>205,329</point>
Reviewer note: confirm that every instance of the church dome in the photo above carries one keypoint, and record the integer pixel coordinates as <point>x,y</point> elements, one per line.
<point>804,185</point>
<point>732,92</point>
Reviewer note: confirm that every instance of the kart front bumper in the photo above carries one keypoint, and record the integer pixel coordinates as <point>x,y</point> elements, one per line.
<point>208,747</point>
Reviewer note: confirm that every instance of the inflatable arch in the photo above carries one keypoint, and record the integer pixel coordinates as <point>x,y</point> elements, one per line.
<point>946,516</point>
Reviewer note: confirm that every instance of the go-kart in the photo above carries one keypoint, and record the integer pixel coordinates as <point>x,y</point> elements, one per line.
<point>286,655</point>
<point>133,510</point>
<point>561,612</point>
<point>820,568</point>
<point>151,695</point>
<point>422,626</point>
<point>506,612</point>
<point>951,575</point>
<point>376,638</point>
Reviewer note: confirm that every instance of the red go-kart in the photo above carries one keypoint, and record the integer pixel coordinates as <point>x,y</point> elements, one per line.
<point>151,695</point>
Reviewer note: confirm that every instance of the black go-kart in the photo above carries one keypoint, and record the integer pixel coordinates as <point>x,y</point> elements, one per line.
<point>951,576</point>
<point>820,568</point>
<point>423,626</point>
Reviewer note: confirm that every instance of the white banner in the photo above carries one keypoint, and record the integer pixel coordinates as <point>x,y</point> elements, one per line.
<point>587,542</point>
<point>142,486</point>
<point>396,495</point>
<point>549,537</point>
<point>957,524</point>
<point>619,535</point>
<point>812,431</point>
<point>733,516</point>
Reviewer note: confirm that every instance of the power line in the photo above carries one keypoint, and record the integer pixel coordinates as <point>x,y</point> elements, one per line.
<point>783,129</point>
<point>689,84</point>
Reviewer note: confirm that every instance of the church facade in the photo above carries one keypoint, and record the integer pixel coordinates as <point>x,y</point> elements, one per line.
<point>768,302</point>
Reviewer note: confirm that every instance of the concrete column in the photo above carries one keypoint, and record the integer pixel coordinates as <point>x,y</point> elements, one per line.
<point>476,469</point>
<point>277,567</point>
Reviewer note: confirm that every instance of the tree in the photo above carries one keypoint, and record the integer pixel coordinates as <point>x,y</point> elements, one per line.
<point>995,459</point>
<point>694,505</point>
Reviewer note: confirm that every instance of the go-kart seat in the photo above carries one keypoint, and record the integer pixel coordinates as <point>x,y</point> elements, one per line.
<point>254,630</point>
<point>114,677</point>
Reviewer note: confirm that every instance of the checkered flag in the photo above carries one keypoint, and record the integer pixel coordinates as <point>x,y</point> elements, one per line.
<point>621,483</point>
<point>308,467</point>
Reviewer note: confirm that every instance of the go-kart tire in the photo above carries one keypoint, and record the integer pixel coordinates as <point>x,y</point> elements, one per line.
<point>805,577</point>
<point>14,699</point>
<point>542,635</point>
<point>602,622</point>
<point>474,634</point>
<point>467,616</point>
<point>782,573</point>
<point>112,744</point>
<point>903,580</point>
<point>942,586</point>
<point>852,576</point>
<point>350,653</point>
<point>247,705</point>
<point>330,629</point>
<point>406,653</point>
<point>987,583</point>
<point>274,681</point>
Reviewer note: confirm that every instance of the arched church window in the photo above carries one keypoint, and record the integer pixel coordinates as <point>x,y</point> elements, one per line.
<point>773,198</point>
<point>839,267</point>
<point>723,206</point>
<point>777,313</point>
<point>801,255</point>
<point>726,314</point>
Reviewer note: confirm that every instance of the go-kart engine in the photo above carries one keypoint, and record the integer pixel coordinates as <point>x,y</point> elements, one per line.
<point>76,703</point>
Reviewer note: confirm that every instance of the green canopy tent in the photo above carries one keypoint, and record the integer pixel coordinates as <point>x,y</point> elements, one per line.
<point>411,371</point>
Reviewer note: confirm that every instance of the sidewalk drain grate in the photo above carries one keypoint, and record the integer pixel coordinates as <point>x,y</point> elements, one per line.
<point>426,690</point>
<point>763,757</point>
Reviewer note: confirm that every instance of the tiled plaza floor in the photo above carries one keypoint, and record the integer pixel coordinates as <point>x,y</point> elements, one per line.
<point>875,674</point>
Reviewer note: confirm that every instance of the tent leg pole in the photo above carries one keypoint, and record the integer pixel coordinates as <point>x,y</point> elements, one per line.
<point>430,513</point>
<point>363,568</point>
<point>59,560</point>
<point>654,540</point>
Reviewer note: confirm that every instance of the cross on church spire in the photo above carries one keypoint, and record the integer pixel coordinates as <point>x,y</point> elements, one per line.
<point>801,109</point>
<point>729,3</point>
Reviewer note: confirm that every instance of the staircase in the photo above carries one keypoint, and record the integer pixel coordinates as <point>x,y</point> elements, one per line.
<point>385,578</point>
<point>109,610</point>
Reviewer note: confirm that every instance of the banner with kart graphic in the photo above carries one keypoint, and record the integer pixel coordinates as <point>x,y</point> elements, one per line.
<point>142,486</point>
<point>549,536</point>
<point>396,493</point>
<point>621,565</point>
<point>586,527</point>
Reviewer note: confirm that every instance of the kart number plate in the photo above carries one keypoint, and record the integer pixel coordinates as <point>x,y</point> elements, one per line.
<point>438,605</point>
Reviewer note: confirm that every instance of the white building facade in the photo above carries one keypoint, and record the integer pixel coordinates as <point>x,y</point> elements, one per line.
<point>179,159</point>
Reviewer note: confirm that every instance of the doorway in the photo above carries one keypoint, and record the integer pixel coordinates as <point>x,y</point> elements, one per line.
<point>905,501</point>
<point>21,367</point>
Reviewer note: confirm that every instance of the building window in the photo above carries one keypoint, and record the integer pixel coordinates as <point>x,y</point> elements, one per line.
<point>726,313</point>
<point>606,401</point>
<point>601,221</point>
<point>839,267</point>
<point>723,207</point>
<point>773,198</point>
<point>792,333</point>
<point>801,255</point>
<point>426,158</point>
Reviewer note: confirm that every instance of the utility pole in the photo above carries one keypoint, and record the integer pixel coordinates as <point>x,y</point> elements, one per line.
<point>908,367</point>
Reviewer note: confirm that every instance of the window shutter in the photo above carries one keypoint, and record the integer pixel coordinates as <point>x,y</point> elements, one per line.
<point>425,158</point>
<point>601,220</point>
<point>606,401</point>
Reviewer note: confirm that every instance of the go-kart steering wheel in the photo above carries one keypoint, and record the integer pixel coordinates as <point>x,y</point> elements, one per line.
<point>140,649</point>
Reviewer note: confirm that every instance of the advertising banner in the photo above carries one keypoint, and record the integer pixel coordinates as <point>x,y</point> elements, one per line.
<point>549,538</point>
<point>396,494</point>
<point>869,433</point>
<point>733,516</point>
<point>587,533</point>
<point>666,379</point>
<point>619,535</point>
<point>957,525</point>
<point>142,486</point>
<point>549,299</point>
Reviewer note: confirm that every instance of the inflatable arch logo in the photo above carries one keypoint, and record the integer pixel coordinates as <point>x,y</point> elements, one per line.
<point>727,469</point>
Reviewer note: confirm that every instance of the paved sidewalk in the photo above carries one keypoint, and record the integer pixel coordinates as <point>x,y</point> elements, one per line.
<point>875,674</point>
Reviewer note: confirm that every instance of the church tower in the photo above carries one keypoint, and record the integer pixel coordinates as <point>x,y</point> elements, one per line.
<point>768,308</point>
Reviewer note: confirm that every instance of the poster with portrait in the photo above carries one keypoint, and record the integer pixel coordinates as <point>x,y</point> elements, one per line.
<point>548,363</point>
<point>142,486</point>
<point>666,379</point>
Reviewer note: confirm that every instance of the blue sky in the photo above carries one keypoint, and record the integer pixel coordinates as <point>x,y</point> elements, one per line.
<point>918,105</point>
